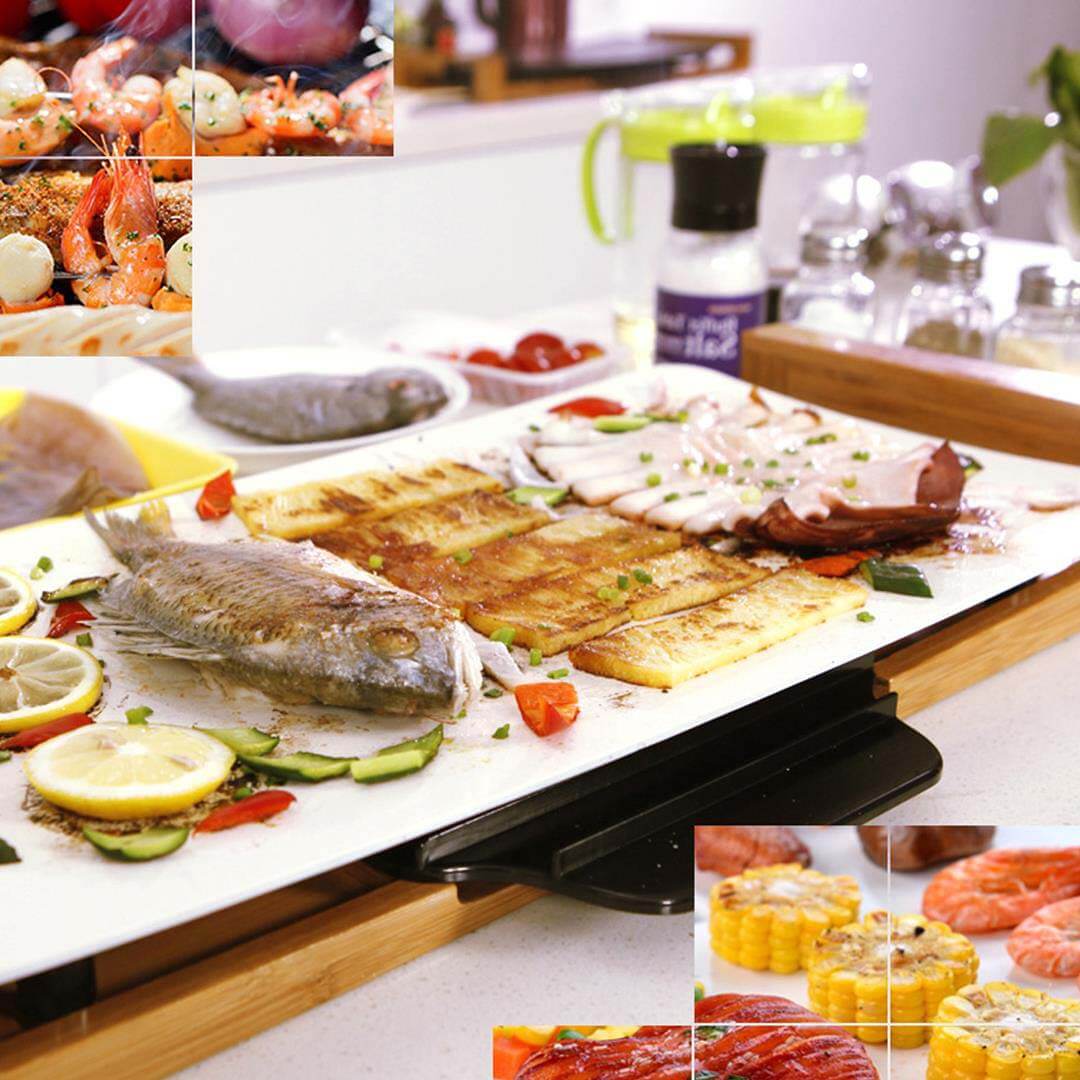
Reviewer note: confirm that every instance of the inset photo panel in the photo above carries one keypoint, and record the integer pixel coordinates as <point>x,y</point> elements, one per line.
<point>576,1051</point>
<point>294,77</point>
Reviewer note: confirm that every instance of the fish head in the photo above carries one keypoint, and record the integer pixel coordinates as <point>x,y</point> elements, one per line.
<point>410,394</point>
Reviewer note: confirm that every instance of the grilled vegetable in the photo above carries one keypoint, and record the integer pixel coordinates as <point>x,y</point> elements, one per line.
<point>86,586</point>
<point>439,528</point>
<point>574,543</point>
<point>768,918</point>
<point>617,425</point>
<point>69,615</point>
<point>670,651</point>
<point>216,498</point>
<point>547,707</point>
<point>1002,1030</point>
<point>35,736</point>
<point>258,807</point>
<point>137,847</point>
<point>560,612</point>
<point>243,740</point>
<point>525,495</point>
<point>849,983</point>
<point>401,759</point>
<point>321,505</point>
<point>895,577</point>
<point>300,766</point>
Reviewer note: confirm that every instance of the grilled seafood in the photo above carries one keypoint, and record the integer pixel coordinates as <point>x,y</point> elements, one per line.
<point>310,408</point>
<point>773,1039</point>
<point>915,847</point>
<point>363,115</point>
<point>1048,942</point>
<point>41,204</point>
<point>286,618</point>
<point>56,458</point>
<point>731,849</point>
<point>999,889</point>
<point>279,110</point>
<point>30,122</point>
<point>105,99</point>
<point>121,196</point>
<point>653,1053</point>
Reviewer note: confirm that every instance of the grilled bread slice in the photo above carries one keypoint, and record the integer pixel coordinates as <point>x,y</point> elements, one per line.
<point>564,611</point>
<point>321,505</point>
<point>577,542</point>
<point>670,651</point>
<point>439,528</point>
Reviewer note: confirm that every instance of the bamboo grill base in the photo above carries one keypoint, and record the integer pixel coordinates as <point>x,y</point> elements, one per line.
<point>160,999</point>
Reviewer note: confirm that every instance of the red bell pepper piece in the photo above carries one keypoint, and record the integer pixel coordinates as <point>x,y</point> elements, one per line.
<point>216,498</point>
<point>509,1055</point>
<point>839,565</point>
<point>590,406</point>
<point>547,707</point>
<point>69,615</point>
<point>31,737</point>
<point>258,807</point>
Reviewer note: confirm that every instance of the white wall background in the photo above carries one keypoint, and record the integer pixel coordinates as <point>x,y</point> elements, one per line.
<point>285,255</point>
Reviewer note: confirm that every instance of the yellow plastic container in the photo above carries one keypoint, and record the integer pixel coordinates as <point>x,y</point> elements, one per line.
<point>170,466</point>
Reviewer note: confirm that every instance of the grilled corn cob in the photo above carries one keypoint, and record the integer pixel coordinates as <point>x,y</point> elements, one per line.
<point>1003,1032</point>
<point>850,985</point>
<point>769,917</point>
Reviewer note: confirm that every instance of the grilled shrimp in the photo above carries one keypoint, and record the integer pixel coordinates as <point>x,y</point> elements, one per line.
<point>731,849</point>
<point>104,99</point>
<point>279,110</point>
<point>30,123</point>
<point>362,116</point>
<point>122,197</point>
<point>999,889</point>
<point>1048,942</point>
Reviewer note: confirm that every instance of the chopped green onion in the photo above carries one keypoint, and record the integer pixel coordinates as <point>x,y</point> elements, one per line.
<point>791,450</point>
<point>608,592</point>
<point>849,481</point>
<point>671,496</point>
<point>463,556</point>
<point>5,755</point>
<point>559,673</point>
<point>618,425</point>
<point>643,576</point>
<point>653,479</point>
<point>139,714</point>
<point>568,1033</point>
<point>750,495</point>
<point>41,567</point>
<point>699,992</point>
<point>461,715</point>
<point>770,483</point>
<point>623,582</point>
<point>504,635</point>
<point>970,465</point>
<point>524,496</point>
<point>501,732</point>
<point>535,656</point>
<point>721,468</point>
<point>645,456</point>
<point>772,463</point>
<point>748,463</point>
<point>861,455</point>
<point>493,692</point>
<point>817,440</point>
<point>242,793</point>
<point>687,462</point>
<point>84,641</point>
<point>375,562</point>
<point>865,616</point>
<point>534,427</point>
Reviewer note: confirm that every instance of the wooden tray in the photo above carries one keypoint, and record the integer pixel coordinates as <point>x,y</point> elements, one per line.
<point>160,1000</point>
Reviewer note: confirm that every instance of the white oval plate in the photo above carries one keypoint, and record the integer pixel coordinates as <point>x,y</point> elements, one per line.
<point>151,399</point>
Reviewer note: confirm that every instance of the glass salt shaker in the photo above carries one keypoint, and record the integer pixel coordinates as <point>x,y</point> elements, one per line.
<point>830,292</point>
<point>1045,331</point>
<point>946,310</point>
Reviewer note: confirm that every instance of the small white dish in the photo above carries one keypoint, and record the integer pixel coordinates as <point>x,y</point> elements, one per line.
<point>156,401</point>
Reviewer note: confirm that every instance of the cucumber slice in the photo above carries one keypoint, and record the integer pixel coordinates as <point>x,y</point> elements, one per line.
<point>243,740</point>
<point>86,586</point>
<point>523,496</point>
<point>385,766</point>
<point>301,766</point>
<point>617,425</point>
<point>137,847</point>
<point>428,743</point>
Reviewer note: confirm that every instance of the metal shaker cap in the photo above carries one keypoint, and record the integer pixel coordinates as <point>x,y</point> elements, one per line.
<point>952,257</point>
<point>1051,286</point>
<point>828,245</point>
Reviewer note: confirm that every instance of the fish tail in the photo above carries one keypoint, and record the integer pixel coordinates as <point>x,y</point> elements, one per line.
<point>125,537</point>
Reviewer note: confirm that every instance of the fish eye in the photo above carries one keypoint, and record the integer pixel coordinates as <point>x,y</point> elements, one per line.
<point>393,642</point>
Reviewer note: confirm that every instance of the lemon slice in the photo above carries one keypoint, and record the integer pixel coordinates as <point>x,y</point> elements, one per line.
<point>122,771</point>
<point>41,679</point>
<point>17,603</point>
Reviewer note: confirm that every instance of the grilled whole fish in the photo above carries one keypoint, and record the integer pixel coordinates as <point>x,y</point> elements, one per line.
<point>286,618</point>
<point>309,408</point>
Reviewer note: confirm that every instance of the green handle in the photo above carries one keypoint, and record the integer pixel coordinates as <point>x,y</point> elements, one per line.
<point>588,185</point>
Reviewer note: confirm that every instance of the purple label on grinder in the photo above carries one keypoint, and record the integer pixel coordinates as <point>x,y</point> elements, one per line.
<point>705,329</point>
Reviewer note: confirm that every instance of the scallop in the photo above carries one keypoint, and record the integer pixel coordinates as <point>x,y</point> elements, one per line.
<point>178,265</point>
<point>216,102</point>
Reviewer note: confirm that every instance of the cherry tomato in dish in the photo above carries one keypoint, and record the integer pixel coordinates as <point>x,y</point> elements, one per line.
<point>538,342</point>
<point>590,407</point>
<point>486,358</point>
<point>560,358</point>
<point>587,350</point>
<point>35,736</point>
<point>533,362</point>
<point>547,707</point>
<point>216,498</point>
<point>258,807</point>
<point>69,615</point>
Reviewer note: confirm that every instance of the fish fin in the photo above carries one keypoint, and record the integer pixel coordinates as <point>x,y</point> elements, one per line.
<point>123,535</point>
<point>87,490</point>
<point>158,646</point>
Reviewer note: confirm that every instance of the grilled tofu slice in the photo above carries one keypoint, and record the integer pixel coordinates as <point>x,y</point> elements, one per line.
<point>322,505</point>
<point>440,528</point>
<point>565,611</point>
<point>577,542</point>
<point>670,651</point>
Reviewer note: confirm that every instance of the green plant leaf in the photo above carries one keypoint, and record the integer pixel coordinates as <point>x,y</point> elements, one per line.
<point>1012,144</point>
<point>1062,72</point>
